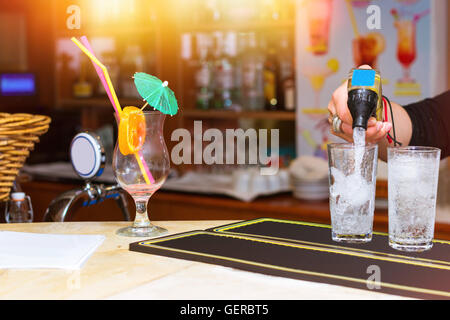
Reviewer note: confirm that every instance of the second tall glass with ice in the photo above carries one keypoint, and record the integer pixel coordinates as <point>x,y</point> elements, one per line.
<point>413,174</point>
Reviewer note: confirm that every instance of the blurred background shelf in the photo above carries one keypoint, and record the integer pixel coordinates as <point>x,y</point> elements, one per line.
<point>240,26</point>
<point>188,114</point>
<point>98,102</point>
<point>104,32</point>
<point>220,114</point>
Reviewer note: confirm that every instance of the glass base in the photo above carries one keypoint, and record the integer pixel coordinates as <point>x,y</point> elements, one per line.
<point>406,81</point>
<point>409,247</point>
<point>352,238</point>
<point>150,231</point>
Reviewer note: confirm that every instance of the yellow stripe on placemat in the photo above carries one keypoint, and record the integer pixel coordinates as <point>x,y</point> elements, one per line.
<point>152,243</point>
<point>226,229</point>
<point>299,246</point>
<point>255,221</point>
<point>311,224</point>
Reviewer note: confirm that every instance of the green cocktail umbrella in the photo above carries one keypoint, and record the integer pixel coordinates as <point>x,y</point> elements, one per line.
<point>156,93</point>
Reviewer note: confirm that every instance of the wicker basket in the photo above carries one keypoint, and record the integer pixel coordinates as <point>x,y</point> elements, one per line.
<point>18,134</point>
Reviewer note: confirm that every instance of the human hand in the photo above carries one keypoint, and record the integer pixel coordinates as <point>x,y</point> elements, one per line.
<point>376,130</point>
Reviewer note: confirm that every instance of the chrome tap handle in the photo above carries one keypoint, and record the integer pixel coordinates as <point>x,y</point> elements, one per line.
<point>59,208</point>
<point>62,208</point>
<point>88,160</point>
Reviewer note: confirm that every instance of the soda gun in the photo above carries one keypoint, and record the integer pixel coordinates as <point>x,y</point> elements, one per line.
<point>364,96</point>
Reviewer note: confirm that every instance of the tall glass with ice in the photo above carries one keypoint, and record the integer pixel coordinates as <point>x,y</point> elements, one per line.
<point>352,177</point>
<point>413,174</point>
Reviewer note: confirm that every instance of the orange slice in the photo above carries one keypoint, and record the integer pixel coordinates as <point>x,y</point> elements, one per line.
<point>131,130</point>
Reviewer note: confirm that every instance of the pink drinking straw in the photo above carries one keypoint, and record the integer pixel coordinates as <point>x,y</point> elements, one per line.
<point>417,17</point>
<point>100,74</point>
<point>86,43</point>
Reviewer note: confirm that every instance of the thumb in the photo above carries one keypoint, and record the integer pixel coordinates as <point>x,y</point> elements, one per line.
<point>365,66</point>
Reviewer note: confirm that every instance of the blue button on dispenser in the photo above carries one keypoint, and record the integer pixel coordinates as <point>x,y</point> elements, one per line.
<point>363,78</point>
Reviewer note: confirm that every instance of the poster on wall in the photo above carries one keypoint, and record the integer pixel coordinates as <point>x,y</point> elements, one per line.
<point>333,36</point>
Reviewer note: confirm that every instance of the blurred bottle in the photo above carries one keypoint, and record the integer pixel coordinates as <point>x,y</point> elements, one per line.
<point>217,101</point>
<point>198,13</point>
<point>252,62</point>
<point>238,11</point>
<point>287,74</point>
<point>132,62</point>
<point>286,9</point>
<point>227,78</point>
<point>110,61</point>
<point>203,74</point>
<point>271,80</point>
<point>269,10</point>
<point>212,11</point>
<point>186,46</point>
<point>223,71</point>
<point>241,46</point>
<point>18,209</point>
<point>83,88</point>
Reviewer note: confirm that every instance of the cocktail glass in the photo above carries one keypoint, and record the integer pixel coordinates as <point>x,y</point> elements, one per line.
<point>406,47</point>
<point>317,82</point>
<point>413,174</point>
<point>352,177</point>
<point>319,18</point>
<point>130,176</point>
<point>367,48</point>
<point>317,77</point>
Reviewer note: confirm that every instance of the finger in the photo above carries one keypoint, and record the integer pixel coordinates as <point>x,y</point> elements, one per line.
<point>331,108</point>
<point>347,132</point>
<point>385,128</point>
<point>339,100</point>
<point>331,112</point>
<point>372,131</point>
<point>341,135</point>
<point>347,129</point>
<point>372,122</point>
<point>365,66</point>
<point>372,128</point>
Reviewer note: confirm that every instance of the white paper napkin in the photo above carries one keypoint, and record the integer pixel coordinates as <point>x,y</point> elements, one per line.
<point>22,250</point>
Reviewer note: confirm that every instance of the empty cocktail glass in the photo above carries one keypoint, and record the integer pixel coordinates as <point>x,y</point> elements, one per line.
<point>406,46</point>
<point>129,173</point>
<point>413,174</point>
<point>319,14</point>
<point>352,177</point>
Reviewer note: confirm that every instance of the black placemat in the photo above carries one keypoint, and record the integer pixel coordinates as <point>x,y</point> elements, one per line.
<point>320,235</point>
<point>299,261</point>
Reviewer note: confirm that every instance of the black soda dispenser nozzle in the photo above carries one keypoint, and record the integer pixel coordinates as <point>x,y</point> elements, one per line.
<point>364,96</point>
<point>362,104</point>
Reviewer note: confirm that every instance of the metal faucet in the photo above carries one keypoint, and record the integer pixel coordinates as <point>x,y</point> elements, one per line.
<point>88,160</point>
<point>63,207</point>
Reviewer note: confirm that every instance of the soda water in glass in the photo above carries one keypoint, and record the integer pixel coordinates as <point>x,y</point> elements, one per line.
<point>352,177</point>
<point>413,174</point>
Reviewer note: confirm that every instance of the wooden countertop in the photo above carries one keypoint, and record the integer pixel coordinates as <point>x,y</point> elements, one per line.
<point>114,272</point>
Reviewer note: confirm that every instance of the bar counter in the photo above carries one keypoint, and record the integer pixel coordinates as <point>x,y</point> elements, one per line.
<point>168,205</point>
<point>114,272</point>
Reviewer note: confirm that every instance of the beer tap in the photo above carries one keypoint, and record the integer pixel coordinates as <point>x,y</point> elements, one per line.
<point>88,160</point>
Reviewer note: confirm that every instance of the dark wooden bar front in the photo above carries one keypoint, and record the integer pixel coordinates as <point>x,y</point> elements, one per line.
<point>165,205</point>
